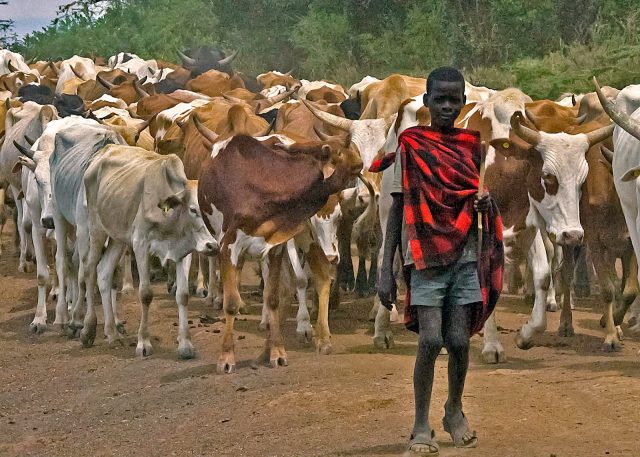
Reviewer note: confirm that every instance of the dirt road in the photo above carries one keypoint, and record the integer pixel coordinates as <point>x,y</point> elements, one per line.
<point>563,398</point>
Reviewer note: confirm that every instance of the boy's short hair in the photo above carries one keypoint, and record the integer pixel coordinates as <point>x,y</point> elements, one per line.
<point>448,74</point>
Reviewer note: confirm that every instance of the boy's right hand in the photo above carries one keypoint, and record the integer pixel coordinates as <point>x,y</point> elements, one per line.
<point>387,288</point>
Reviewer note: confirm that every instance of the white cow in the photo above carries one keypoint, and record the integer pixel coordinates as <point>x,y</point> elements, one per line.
<point>12,61</point>
<point>76,67</point>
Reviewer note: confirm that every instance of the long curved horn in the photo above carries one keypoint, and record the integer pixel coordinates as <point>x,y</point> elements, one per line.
<point>600,134</point>
<point>139,90</point>
<point>328,118</point>
<point>233,99</point>
<point>228,59</point>
<point>607,153</point>
<point>11,67</point>
<point>530,136</point>
<point>29,140</point>
<point>104,82</point>
<point>186,59</point>
<point>32,60</point>
<point>368,185</point>
<point>268,130</point>
<point>630,125</point>
<point>573,100</point>
<point>54,68</point>
<point>581,119</point>
<point>75,72</point>
<point>288,73</point>
<point>325,137</point>
<point>23,150</point>
<point>278,98</point>
<point>205,131</point>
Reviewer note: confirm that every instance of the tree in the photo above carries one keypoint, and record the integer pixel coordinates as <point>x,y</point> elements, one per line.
<point>7,35</point>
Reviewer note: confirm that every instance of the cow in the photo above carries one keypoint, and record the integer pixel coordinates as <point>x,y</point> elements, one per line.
<point>240,216</point>
<point>142,200</point>
<point>12,61</point>
<point>73,72</point>
<point>29,120</point>
<point>558,170</point>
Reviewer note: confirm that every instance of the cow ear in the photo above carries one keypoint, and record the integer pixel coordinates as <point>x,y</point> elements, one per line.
<point>511,147</point>
<point>47,114</point>
<point>348,194</point>
<point>170,203</point>
<point>23,161</point>
<point>631,174</point>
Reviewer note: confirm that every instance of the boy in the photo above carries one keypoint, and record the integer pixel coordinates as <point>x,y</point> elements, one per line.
<point>436,180</point>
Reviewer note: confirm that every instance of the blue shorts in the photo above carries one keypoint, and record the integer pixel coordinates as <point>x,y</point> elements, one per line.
<point>449,285</point>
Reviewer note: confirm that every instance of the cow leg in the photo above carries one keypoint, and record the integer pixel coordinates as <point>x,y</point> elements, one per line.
<point>201,290</point>
<point>566,325</point>
<point>539,265</point>
<point>321,270</point>
<point>127,275</point>
<point>39,323</point>
<point>23,265</point>
<point>214,297</point>
<point>274,352</point>
<point>605,268</point>
<point>630,290</point>
<point>361,278</point>
<point>51,255</point>
<point>582,284</point>
<point>3,215</point>
<point>96,244</point>
<point>304,330</point>
<point>345,267</point>
<point>185,348</point>
<point>382,334</point>
<point>231,304</point>
<point>372,282</point>
<point>492,351</point>
<point>82,246</point>
<point>106,270</point>
<point>554,257</point>
<point>62,312</point>
<point>145,295</point>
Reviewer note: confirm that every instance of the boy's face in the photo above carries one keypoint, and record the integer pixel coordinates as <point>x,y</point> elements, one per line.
<point>445,101</point>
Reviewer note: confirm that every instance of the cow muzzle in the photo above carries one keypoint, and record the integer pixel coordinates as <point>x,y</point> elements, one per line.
<point>571,238</point>
<point>333,259</point>
<point>47,222</point>
<point>211,248</point>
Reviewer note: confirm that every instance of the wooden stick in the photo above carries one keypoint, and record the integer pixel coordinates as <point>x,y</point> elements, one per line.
<point>480,190</point>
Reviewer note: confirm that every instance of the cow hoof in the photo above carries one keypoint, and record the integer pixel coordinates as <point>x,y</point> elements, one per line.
<point>87,336</point>
<point>186,351</point>
<point>264,326</point>
<point>619,332</point>
<point>384,340</point>
<point>53,295</point>
<point>127,289</point>
<point>566,330</point>
<point>26,267</point>
<point>324,347</point>
<point>523,343</point>
<point>493,353</point>
<point>115,341</point>
<point>73,330</point>
<point>552,307</point>
<point>144,349</point>
<point>304,333</point>
<point>226,363</point>
<point>38,326</point>
<point>201,293</point>
<point>611,346</point>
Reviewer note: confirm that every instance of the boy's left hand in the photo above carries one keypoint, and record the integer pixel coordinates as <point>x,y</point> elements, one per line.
<point>482,203</point>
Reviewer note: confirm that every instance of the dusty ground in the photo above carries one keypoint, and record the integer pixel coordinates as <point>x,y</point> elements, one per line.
<point>564,397</point>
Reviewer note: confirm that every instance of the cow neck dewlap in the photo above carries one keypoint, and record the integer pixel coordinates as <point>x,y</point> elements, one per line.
<point>564,156</point>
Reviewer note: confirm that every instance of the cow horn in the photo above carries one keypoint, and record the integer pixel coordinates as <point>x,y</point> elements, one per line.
<point>280,97</point>
<point>7,103</point>
<point>186,59</point>
<point>530,136</point>
<point>228,59</point>
<point>580,119</point>
<point>11,67</point>
<point>328,118</point>
<point>23,150</point>
<point>104,82</point>
<point>573,100</point>
<point>29,140</point>
<point>76,72</point>
<point>607,153</point>
<point>368,185</point>
<point>139,90</point>
<point>323,136</point>
<point>288,73</point>
<point>621,118</point>
<point>54,69</point>
<point>32,60</point>
<point>268,130</point>
<point>232,99</point>
<point>600,134</point>
<point>205,131</point>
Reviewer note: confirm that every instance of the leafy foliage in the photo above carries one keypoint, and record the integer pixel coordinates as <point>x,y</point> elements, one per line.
<point>545,47</point>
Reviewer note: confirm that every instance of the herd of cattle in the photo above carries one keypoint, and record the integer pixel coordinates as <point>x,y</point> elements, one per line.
<point>106,162</point>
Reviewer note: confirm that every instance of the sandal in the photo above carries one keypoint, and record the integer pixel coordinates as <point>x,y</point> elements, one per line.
<point>432,451</point>
<point>459,441</point>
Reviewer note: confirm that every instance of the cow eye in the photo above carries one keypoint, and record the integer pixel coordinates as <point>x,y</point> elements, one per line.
<point>551,183</point>
<point>193,211</point>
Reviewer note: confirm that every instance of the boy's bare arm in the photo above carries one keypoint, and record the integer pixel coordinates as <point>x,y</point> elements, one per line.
<point>387,286</point>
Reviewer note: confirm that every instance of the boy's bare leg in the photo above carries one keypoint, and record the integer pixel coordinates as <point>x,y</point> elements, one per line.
<point>430,341</point>
<point>457,322</point>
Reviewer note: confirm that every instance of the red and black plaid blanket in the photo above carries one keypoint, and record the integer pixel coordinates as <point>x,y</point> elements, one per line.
<point>440,179</point>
